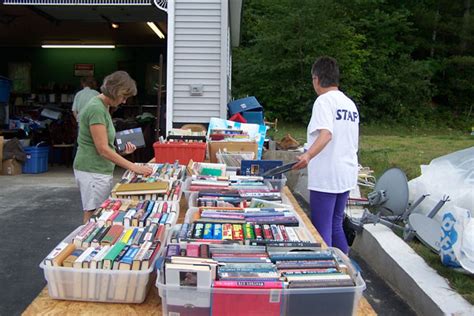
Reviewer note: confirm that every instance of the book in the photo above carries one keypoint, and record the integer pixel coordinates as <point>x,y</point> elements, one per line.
<point>192,250</point>
<point>88,241</point>
<point>84,233</point>
<point>259,167</point>
<point>116,263</point>
<point>204,251</point>
<point>249,303</point>
<point>188,275</point>
<point>134,136</point>
<point>79,261</point>
<point>112,235</point>
<point>150,255</point>
<point>109,258</point>
<point>157,187</point>
<point>137,260</point>
<point>69,261</point>
<point>127,220</point>
<point>56,257</point>
<point>160,234</point>
<point>96,262</point>
<point>172,250</point>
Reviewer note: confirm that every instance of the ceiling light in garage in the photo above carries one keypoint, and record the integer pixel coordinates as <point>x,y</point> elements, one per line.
<point>77,46</point>
<point>156,29</point>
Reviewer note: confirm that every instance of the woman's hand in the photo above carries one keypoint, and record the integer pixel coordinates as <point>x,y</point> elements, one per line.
<point>144,170</point>
<point>129,148</point>
<point>303,161</point>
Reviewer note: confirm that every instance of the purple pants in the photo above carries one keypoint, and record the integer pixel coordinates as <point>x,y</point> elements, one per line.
<point>327,215</point>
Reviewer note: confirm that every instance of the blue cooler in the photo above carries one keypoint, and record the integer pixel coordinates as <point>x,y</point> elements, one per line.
<point>250,109</point>
<point>5,88</point>
<point>36,159</point>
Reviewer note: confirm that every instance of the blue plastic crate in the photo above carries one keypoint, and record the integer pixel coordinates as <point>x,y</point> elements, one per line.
<point>36,159</point>
<point>5,88</point>
<point>254,117</point>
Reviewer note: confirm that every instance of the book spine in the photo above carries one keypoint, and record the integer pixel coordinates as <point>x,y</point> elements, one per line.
<point>204,251</point>
<point>171,218</point>
<point>217,231</point>
<point>172,250</point>
<point>292,236</point>
<point>227,231</point>
<point>192,250</point>
<point>198,230</point>
<point>164,218</point>
<point>267,233</point>
<point>249,231</point>
<point>248,284</point>
<point>237,232</point>
<point>258,232</point>
<point>183,231</point>
<point>208,231</point>
<point>190,231</point>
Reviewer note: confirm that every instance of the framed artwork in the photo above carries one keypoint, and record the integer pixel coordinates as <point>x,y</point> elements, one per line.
<point>20,74</point>
<point>83,70</point>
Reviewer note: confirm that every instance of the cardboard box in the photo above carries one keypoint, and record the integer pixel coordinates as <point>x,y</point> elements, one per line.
<point>11,167</point>
<point>231,147</point>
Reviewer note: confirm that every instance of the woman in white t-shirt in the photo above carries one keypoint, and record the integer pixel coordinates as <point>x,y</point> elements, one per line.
<point>331,156</point>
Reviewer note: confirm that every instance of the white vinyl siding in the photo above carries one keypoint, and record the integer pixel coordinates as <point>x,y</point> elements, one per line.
<point>198,39</point>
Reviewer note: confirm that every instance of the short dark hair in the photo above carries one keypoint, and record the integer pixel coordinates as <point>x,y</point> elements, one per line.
<point>327,71</point>
<point>119,84</point>
<point>89,81</point>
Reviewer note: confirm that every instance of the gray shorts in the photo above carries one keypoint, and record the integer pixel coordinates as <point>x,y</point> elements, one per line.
<point>94,187</point>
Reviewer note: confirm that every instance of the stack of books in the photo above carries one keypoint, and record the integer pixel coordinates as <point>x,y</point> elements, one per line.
<point>242,226</point>
<point>164,171</point>
<point>131,213</point>
<point>228,134</point>
<point>230,191</point>
<point>165,183</point>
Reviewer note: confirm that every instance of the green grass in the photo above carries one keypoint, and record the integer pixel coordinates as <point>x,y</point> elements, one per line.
<point>382,147</point>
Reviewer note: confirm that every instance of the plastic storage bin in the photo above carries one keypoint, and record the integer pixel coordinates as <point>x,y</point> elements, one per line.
<point>276,184</point>
<point>181,151</point>
<point>36,159</point>
<point>291,302</point>
<point>234,159</point>
<point>112,286</point>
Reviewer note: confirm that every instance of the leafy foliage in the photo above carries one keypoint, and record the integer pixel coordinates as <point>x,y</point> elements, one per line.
<point>396,57</point>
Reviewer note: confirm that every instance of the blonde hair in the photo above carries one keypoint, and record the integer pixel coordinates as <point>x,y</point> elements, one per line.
<point>119,84</point>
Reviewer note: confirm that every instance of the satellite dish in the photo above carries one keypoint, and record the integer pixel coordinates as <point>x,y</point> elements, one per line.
<point>426,229</point>
<point>391,193</point>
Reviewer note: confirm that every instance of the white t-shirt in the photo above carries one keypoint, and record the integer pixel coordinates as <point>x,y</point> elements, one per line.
<point>335,168</point>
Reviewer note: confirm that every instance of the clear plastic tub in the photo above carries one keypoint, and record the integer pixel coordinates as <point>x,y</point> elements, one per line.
<point>276,184</point>
<point>305,301</point>
<point>111,286</point>
<point>234,159</point>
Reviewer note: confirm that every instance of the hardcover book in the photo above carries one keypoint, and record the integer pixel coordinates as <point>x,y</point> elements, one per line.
<point>134,136</point>
<point>262,303</point>
<point>259,167</point>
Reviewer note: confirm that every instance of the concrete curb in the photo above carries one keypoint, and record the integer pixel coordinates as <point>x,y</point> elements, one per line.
<point>420,285</point>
